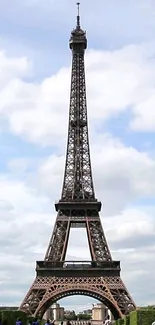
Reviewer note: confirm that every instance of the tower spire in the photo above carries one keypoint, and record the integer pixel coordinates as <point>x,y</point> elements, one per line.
<point>78,15</point>
<point>78,182</point>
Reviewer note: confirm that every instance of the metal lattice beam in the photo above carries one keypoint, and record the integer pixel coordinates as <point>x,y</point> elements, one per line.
<point>47,290</point>
<point>78,183</point>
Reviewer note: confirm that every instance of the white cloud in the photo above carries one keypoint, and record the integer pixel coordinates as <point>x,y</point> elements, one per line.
<point>36,111</point>
<point>26,224</point>
<point>144,114</point>
<point>136,228</point>
<point>20,197</point>
<point>12,68</point>
<point>120,80</point>
<point>116,81</point>
<point>126,175</point>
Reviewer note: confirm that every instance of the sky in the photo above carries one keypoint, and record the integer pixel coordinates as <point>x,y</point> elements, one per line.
<point>35,67</point>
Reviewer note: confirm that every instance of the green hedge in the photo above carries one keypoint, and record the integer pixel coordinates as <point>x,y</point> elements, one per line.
<point>120,321</point>
<point>142,316</point>
<point>146,316</point>
<point>134,317</point>
<point>9,317</point>
<point>127,320</point>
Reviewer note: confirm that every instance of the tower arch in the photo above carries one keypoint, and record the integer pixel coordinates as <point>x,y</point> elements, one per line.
<point>54,297</point>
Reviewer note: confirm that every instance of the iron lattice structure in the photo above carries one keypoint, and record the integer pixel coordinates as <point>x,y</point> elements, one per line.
<point>78,207</point>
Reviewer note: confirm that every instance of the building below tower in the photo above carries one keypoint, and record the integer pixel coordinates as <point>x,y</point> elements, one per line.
<point>97,315</point>
<point>55,312</point>
<point>99,312</point>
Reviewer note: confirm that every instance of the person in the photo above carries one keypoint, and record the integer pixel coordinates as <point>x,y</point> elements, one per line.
<point>53,322</point>
<point>68,322</point>
<point>35,322</point>
<point>47,322</point>
<point>18,321</point>
<point>30,322</point>
<point>107,321</point>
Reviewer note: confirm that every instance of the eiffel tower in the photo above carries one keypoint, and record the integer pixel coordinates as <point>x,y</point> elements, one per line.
<point>57,278</point>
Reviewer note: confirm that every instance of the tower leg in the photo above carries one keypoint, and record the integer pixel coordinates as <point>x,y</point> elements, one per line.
<point>58,244</point>
<point>97,241</point>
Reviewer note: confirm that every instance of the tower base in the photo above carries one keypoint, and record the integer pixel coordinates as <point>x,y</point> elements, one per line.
<point>55,281</point>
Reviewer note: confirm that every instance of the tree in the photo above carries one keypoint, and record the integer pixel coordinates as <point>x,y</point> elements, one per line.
<point>83,316</point>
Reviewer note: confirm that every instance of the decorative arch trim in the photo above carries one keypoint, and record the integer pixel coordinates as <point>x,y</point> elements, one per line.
<point>53,296</point>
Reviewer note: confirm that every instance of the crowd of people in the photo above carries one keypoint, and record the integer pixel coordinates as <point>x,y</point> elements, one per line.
<point>49,322</point>
<point>36,322</point>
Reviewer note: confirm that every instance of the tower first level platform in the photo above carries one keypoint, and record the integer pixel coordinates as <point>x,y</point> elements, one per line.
<point>77,268</point>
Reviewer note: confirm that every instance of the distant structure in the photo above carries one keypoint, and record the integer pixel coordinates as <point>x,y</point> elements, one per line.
<point>87,312</point>
<point>69,314</point>
<point>55,312</point>
<point>8,308</point>
<point>99,312</point>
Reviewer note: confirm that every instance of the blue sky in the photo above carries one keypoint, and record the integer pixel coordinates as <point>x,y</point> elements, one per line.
<point>35,63</point>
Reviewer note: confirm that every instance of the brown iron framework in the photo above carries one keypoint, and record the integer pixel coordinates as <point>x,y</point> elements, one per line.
<point>78,207</point>
<point>47,290</point>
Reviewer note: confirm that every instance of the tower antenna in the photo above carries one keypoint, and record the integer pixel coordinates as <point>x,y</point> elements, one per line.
<point>78,14</point>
